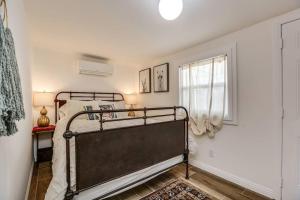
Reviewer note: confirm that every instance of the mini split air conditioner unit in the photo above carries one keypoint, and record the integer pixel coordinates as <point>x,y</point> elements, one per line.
<point>96,68</point>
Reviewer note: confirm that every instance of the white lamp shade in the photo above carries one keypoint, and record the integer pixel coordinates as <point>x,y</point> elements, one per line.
<point>43,99</point>
<point>131,99</point>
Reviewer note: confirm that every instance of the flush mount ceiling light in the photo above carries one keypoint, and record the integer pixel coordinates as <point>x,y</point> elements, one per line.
<point>170,9</point>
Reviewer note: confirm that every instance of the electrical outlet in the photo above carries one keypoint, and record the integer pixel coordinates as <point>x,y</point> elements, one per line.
<point>211,154</point>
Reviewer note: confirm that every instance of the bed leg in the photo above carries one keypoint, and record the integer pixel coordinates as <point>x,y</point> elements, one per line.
<point>187,176</point>
<point>69,195</point>
<point>186,161</point>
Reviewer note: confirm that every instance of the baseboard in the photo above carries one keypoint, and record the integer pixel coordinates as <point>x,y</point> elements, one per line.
<point>235,179</point>
<point>29,182</point>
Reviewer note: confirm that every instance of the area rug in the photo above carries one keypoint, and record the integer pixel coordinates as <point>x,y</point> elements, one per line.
<point>178,190</point>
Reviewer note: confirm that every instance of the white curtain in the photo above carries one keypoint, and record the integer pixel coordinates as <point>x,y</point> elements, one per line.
<point>203,93</point>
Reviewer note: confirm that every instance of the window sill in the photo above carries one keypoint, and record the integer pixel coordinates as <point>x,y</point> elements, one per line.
<point>230,123</point>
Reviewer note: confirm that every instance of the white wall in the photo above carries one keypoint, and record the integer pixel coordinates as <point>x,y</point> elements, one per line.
<point>248,154</point>
<point>16,150</point>
<point>54,71</point>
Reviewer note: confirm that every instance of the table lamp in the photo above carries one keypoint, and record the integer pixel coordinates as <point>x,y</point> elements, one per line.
<point>131,99</point>
<point>43,99</point>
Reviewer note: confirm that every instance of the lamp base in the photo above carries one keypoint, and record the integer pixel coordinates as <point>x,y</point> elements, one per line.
<point>131,113</point>
<point>43,120</point>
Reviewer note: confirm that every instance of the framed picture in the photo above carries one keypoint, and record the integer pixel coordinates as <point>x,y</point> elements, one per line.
<point>161,78</point>
<point>145,81</point>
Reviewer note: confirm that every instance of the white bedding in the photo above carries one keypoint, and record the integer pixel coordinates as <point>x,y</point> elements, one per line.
<point>58,185</point>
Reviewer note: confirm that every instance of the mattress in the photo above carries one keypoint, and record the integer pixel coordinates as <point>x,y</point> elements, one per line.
<point>58,184</point>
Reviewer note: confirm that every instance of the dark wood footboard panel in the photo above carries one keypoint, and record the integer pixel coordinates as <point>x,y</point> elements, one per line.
<point>106,155</point>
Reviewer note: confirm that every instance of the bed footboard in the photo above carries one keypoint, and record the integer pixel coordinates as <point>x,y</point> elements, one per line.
<point>105,155</point>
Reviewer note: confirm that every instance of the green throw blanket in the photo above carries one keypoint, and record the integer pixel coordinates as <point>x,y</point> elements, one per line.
<point>11,100</point>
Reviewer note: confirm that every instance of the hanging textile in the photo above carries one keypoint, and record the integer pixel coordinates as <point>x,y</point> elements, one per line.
<point>202,91</point>
<point>11,100</point>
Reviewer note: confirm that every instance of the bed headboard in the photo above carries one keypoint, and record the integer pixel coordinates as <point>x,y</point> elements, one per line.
<point>62,97</point>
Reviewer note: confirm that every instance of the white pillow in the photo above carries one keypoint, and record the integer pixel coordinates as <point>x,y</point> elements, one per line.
<point>116,105</point>
<point>90,105</point>
<point>61,112</point>
<point>110,115</point>
<point>119,105</point>
<point>74,106</point>
<point>70,108</point>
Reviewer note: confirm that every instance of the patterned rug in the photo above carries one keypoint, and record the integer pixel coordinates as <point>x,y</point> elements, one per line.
<point>178,190</point>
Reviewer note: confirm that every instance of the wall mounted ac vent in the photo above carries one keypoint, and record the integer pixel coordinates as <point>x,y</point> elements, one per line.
<point>96,68</point>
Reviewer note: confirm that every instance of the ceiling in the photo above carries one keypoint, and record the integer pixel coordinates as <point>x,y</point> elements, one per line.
<point>132,31</point>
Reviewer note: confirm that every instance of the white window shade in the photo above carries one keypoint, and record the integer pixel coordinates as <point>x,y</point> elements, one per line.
<point>196,85</point>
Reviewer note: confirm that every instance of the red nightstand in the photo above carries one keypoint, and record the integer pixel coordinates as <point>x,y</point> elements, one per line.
<point>44,154</point>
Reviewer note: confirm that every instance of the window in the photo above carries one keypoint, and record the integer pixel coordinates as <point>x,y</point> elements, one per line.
<point>210,82</point>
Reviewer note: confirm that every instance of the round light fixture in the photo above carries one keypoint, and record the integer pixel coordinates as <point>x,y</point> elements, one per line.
<point>170,9</point>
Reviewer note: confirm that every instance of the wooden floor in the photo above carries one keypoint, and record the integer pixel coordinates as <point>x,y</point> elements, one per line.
<point>215,186</point>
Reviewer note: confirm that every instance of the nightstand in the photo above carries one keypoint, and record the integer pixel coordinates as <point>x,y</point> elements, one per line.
<point>44,154</point>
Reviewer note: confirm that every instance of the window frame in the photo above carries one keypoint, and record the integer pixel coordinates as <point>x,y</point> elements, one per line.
<point>230,51</point>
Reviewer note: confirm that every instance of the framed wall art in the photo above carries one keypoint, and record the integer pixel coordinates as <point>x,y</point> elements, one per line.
<point>161,78</point>
<point>145,81</point>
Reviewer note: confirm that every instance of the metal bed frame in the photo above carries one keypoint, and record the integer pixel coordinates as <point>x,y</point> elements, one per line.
<point>168,132</point>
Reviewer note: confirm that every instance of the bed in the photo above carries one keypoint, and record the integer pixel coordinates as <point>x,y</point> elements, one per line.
<point>95,159</point>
